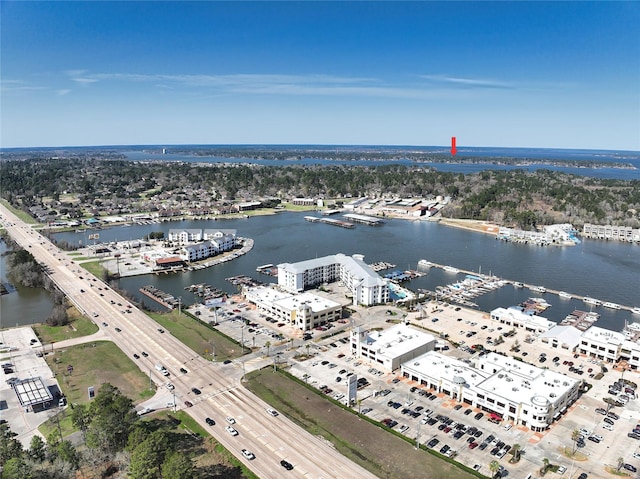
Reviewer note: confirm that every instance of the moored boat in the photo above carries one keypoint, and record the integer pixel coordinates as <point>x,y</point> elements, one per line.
<point>450,269</point>
<point>518,285</point>
<point>562,294</point>
<point>635,310</point>
<point>595,302</point>
<point>611,305</point>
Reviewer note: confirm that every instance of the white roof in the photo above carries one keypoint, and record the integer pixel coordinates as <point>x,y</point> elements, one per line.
<point>594,333</point>
<point>397,340</point>
<point>317,303</point>
<point>569,335</point>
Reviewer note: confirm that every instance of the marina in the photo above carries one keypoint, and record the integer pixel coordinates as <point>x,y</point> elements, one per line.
<point>581,320</point>
<point>268,269</point>
<point>381,266</point>
<point>363,219</point>
<point>205,291</point>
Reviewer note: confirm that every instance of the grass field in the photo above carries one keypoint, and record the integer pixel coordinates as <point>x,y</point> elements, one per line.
<point>93,267</point>
<point>19,213</point>
<point>95,364</point>
<point>79,326</point>
<point>374,448</point>
<point>197,335</point>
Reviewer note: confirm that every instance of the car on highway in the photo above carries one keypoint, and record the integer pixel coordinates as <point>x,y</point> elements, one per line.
<point>287,465</point>
<point>231,420</point>
<point>104,324</point>
<point>144,354</point>
<point>196,391</point>
<point>183,371</point>
<point>136,356</point>
<point>118,330</point>
<point>210,421</point>
<point>170,387</point>
<point>248,454</point>
<point>188,403</point>
<point>231,431</point>
<point>273,412</point>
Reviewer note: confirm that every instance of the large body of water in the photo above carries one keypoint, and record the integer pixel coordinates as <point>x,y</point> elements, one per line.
<point>604,156</point>
<point>609,271</point>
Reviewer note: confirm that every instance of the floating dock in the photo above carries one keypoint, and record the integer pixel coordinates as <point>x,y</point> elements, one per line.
<point>329,221</point>
<point>362,219</point>
<point>159,296</point>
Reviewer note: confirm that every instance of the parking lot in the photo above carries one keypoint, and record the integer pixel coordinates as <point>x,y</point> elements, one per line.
<point>21,349</point>
<point>428,417</point>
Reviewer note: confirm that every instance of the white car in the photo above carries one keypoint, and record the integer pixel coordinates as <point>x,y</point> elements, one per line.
<point>584,432</point>
<point>273,412</point>
<point>636,455</point>
<point>230,420</point>
<point>248,454</point>
<point>231,431</point>
<point>170,387</point>
<point>507,427</point>
<point>608,427</point>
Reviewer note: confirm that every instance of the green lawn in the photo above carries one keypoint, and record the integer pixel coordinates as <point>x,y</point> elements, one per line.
<point>78,327</point>
<point>94,364</point>
<point>198,336</point>
<point>93,267</point>
<point>19,213</point>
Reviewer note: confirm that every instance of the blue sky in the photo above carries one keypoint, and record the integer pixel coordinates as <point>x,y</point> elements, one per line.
<point>520,74</point>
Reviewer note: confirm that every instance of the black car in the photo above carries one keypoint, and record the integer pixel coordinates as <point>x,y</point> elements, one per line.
<point>478,416</point>
<point>630,467</point>
<point>468,411</point>
<point>196,391</point>
<point>483,446</point>
<point>118,330</point>
<point>210,421</point>
<point>227,361</point>
<point>583,476</point>
<point>136,356</point>
<point>287,465</point>
<point>183,370</point>
<point>144,354</point>
<point>433,443</point>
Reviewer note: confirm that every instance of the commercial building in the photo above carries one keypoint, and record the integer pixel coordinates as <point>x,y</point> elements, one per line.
<point>304,311</point>
<point>390,348</point>
<point>519,319</point>
<point>507,389</point>
<point>364,285</point>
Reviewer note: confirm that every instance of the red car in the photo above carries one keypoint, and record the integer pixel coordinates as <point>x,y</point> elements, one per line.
<point>473,445</point>
<point>188,403</point>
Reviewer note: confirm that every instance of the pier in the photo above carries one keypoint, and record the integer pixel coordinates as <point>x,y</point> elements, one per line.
<point>159,296</point>
<point>424,264</point>
<point>362,219</point>
<point>329,221</point>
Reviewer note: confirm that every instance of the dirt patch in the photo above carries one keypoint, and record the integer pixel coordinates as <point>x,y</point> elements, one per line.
<point>371,446</point>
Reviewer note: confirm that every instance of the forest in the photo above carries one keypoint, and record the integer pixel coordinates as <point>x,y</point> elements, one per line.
<point>80,188</point>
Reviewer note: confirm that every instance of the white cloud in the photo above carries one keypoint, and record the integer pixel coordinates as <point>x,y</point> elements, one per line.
<point>469,82</point>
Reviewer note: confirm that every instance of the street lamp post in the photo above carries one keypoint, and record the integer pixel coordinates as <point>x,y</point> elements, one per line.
<point>242,338</point>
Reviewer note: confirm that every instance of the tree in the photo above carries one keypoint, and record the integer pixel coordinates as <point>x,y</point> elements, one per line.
<point>67,453</point>
<point>516,449</point>
<point>575,435</point>
<point>177,466</point>
<point>148,457</point>
<point>81,419</point>
<point>10,447</point>
<point>267,345</point>
<point>16,468</point>
<point>545,466</point>
<point>113,417</point>
<point>620,463</point>
<point>494,467</point>
<point>38,449</point>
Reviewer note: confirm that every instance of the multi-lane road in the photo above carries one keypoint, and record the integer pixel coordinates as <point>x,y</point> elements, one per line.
<point>270,438</point>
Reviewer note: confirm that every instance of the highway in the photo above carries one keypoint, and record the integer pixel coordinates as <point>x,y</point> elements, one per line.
<point>270,438</point>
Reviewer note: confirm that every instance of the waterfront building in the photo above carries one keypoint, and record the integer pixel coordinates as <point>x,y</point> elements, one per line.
<point>186,235</point>
<point>601,343</point>
<point>206,249</point>
<point>303,311</point>
<point>613,232</point>
<point>507,389</point>
<point>390,348</point>
<point>364,285</point>
<point>519,319</point>
<point>562,337</point>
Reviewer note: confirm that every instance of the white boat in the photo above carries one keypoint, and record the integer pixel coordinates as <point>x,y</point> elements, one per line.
<point>425,263</point>
<point>538,289</point>
<point>562,294</point>
<point>451,269</point>
<point>595,302</point>
<point>635,310</point>
<point>518,285</point>
<point>611,305</point>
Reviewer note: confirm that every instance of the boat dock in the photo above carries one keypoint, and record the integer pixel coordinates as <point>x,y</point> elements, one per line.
<point>329,221</point>
<point>205,291</point>
<point>580,319</point>
<point>381,266</point>
<point>268,269</point>
<point>535,288</point>
<point>363,219</point>
<point>159,296</point>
